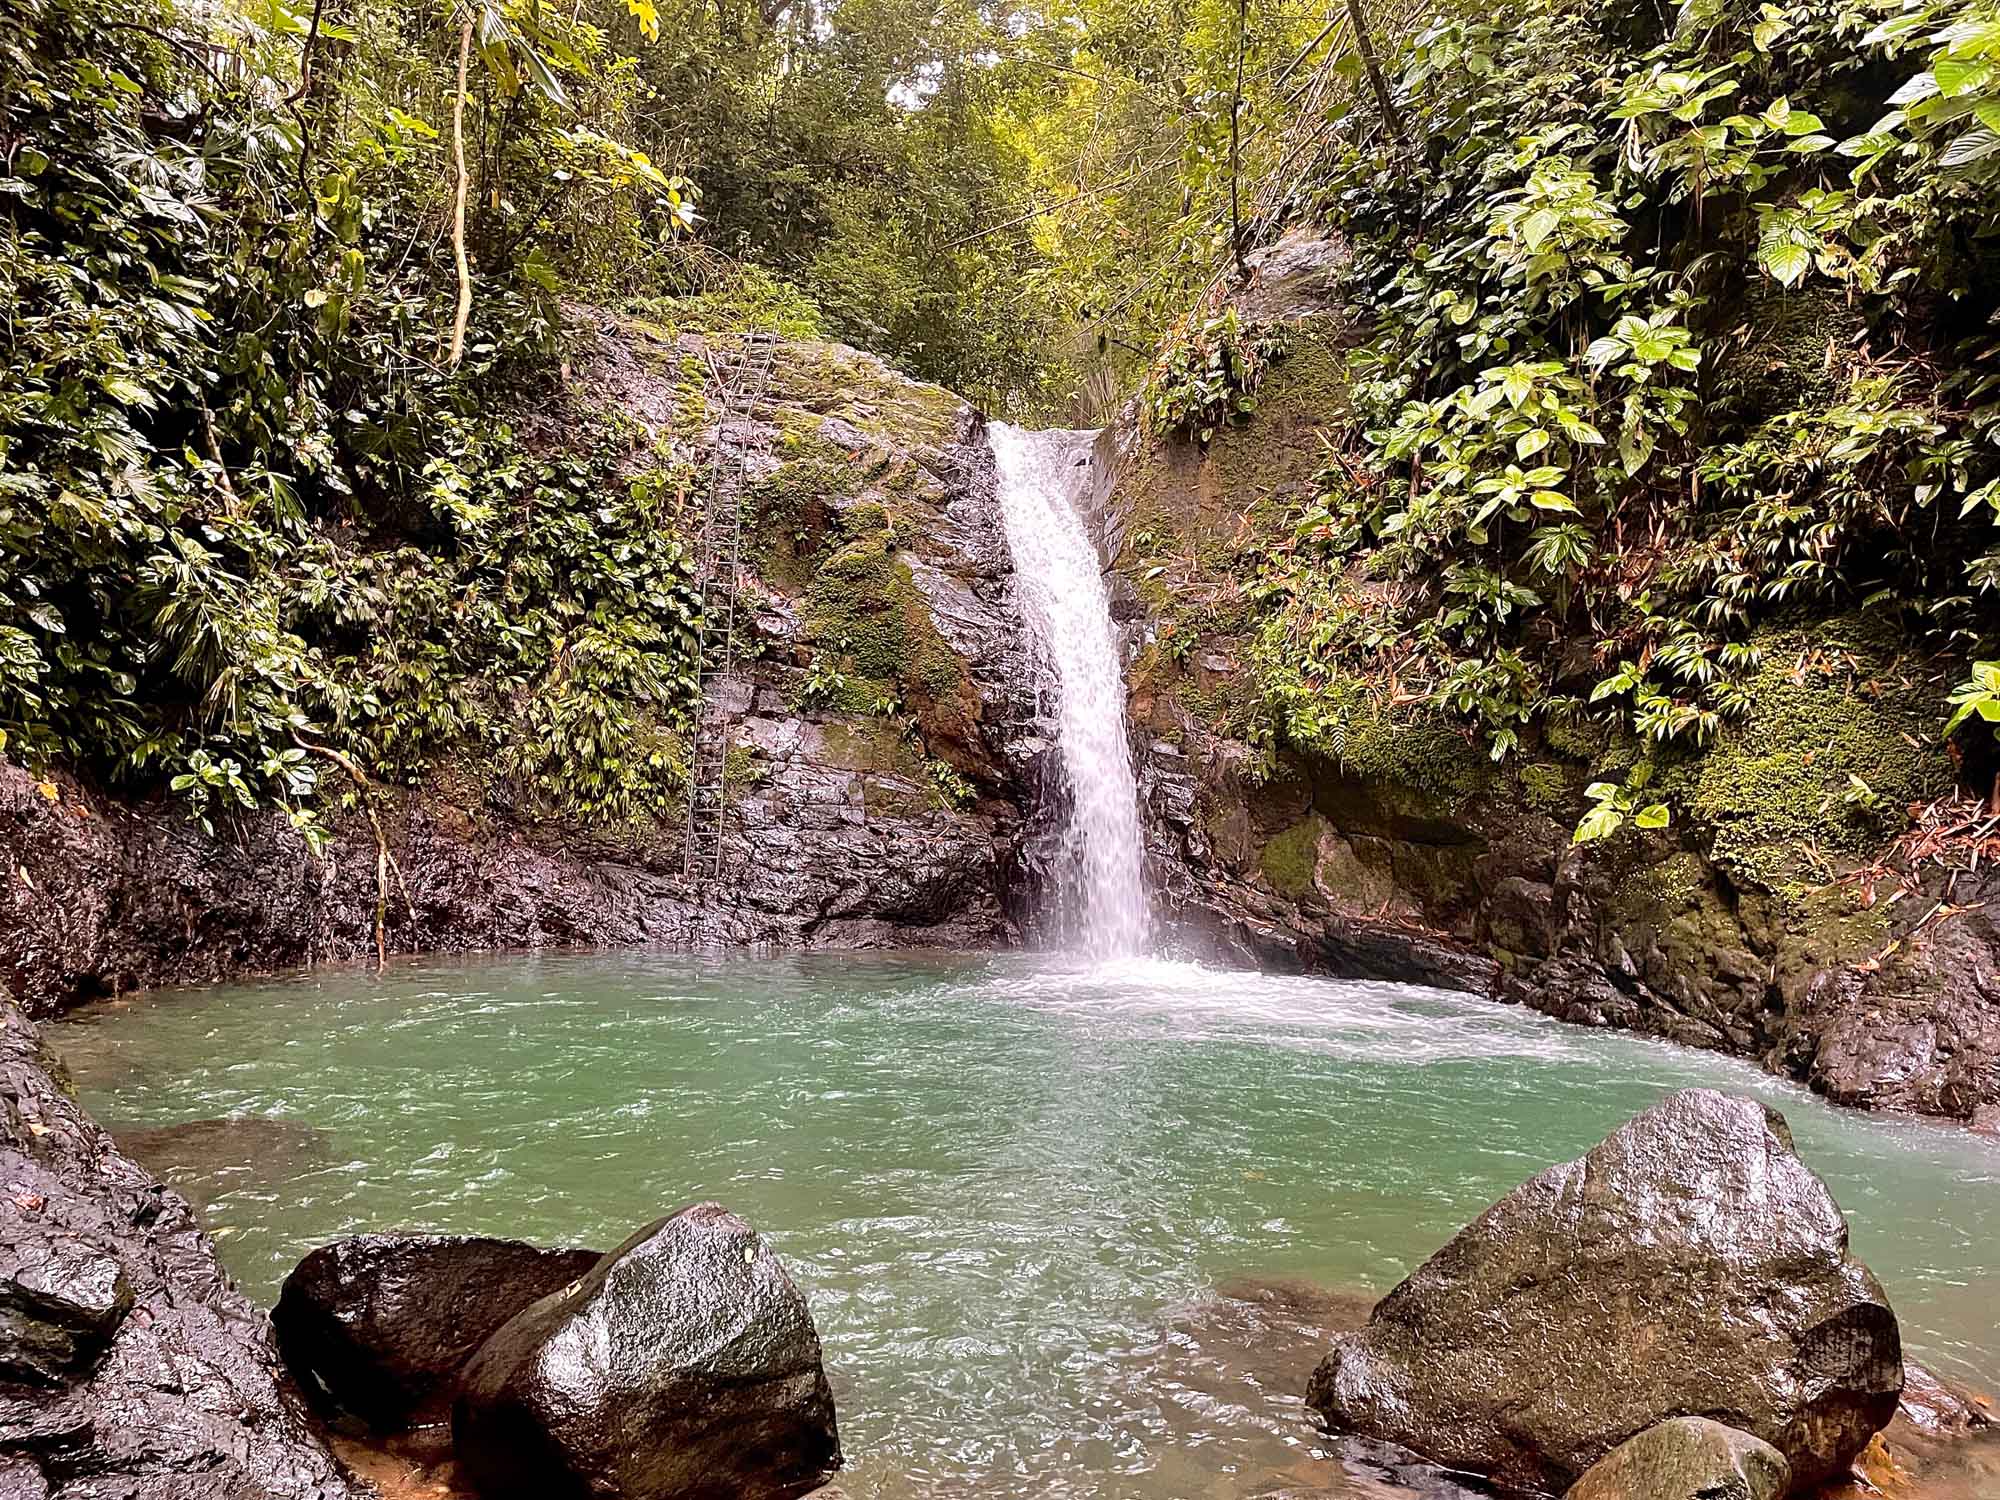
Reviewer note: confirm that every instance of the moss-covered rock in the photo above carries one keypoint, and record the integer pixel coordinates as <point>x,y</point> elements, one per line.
<point>1839,740</point>
<point>1291,859</point>
<point>865,610</point>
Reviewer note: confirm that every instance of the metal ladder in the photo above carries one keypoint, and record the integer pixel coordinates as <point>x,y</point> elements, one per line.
<point>719,556</point>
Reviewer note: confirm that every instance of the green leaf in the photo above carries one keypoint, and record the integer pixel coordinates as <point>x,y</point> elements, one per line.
<point>1599,823</point>
<point>647,14</point>
<point>1635,447</point>
<point>1787,260</point>
<point>1655,816</point>
<point>1538,226</point>
<point>1602,351</point>
<point>1959,75</point>
<point>543,76</point>
<point>1975,145</point>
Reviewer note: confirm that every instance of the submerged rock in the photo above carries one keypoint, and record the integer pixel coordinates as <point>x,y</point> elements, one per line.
<point>203,1159</point>
<point>1937,1408</point>
<point>684,1366</point>
<point>129,1365</point>
<point>1686,1458</point>
<point>379,1325</point>
<point>1689,1264</point>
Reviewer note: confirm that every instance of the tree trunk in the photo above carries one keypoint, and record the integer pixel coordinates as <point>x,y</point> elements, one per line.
<point>1364,48</point>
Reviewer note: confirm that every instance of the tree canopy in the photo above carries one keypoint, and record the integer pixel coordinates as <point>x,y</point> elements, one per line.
<point>270,269</point>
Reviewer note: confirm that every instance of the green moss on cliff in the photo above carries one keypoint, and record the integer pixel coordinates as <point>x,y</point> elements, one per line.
<point>790,518</point>
<point>862,391</point>
<point>1290,859</point>
<point>1546,788</point>
<point>1312,382</point>
<point>865,609</point>
<point>1837,742</point>
<point>1408,748</point>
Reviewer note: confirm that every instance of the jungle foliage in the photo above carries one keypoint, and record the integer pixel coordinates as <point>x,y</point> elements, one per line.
<point>254,521</point>
<point>1684,327</point>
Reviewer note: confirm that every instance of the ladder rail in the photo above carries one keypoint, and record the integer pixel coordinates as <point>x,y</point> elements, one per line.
<point>719,572</point>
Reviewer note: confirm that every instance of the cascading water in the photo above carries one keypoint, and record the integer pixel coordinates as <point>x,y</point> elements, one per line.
<point>1062,586</point>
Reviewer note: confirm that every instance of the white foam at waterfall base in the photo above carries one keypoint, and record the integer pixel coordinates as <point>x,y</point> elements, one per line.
<point>1062,591</point>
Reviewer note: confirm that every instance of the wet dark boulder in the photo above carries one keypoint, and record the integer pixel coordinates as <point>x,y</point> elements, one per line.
<point>684,1366</point>
<point>379,1325</point>
<point>1688,1265</point>
<point>129,1364</point>
<point>62,1298</point>
<point>1686,1458</point>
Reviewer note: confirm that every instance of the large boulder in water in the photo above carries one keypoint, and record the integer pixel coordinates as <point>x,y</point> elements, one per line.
<point>379,1325</point>
<point>685,1366</point>
<point>1689,1264</point>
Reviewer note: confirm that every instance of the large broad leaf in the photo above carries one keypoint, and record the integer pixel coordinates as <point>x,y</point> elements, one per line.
<point>1915,90</point>
<point>647,14</point>
<point>1635,446</point>
<point>543,77</point>
<point>1599,823</point>
<point>1784,258</point>
<point>1976,145</point>
<point>1958,75</point>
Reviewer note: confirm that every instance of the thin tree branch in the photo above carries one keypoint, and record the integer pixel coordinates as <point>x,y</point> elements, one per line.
<point>385,862</point>
<point>1235,138</point>
<point>457,349</point>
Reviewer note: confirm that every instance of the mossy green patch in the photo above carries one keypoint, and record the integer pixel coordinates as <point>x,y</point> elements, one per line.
<point>1290,858</point>
<point>1832,925</point>
<point>1312,381</point>
<point>831,379</point>
<point>1546,788</point>
<point>864,608</point>
<point>747,299</point>
<point>1408,748</point>
<point>1836,743</point>
<point>1789,349</point>
<point>789,515</point>
<point>870,745</point>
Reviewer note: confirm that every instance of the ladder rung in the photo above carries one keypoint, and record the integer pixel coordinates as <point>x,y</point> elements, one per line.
<point>718,572</point>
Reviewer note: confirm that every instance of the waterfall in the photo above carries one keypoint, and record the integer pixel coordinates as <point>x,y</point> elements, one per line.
<point>1062,586</point>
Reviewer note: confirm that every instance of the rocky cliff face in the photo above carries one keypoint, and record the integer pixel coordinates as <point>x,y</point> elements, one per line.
<point>889,781</point>
<point>880,740</point>
<point>1776,920</point>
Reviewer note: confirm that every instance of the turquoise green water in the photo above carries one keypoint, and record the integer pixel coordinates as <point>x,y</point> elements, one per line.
<point>1054,1224</point>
